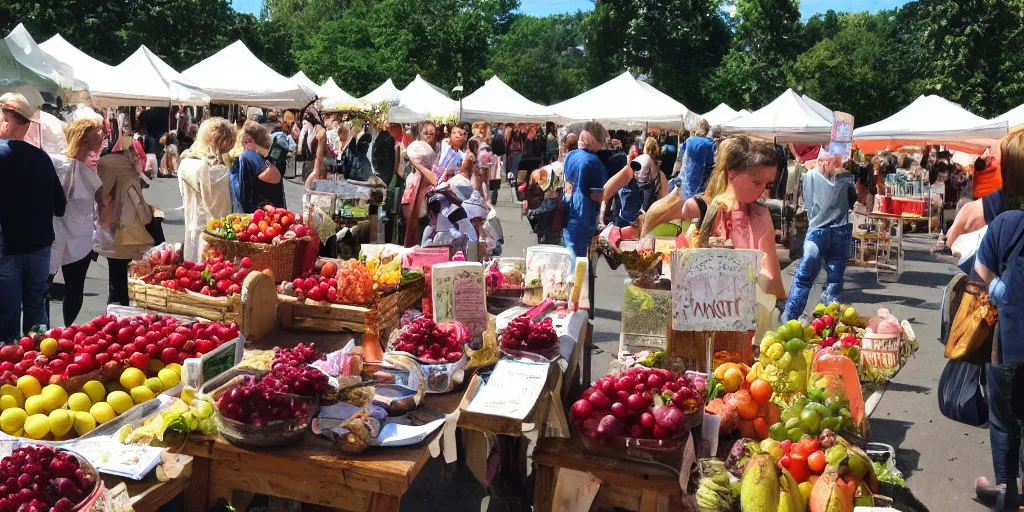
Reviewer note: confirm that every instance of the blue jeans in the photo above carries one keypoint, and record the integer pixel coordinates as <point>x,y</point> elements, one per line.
<point>831,245</point>
<point>1004,383</point>
<point>23,285</point>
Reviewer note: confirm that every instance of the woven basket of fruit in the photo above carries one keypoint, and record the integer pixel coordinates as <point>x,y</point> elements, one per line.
<point>286,259</point>
<point>213,290</point>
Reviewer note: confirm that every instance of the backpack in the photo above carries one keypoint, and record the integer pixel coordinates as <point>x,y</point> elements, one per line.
<point>278,154</point>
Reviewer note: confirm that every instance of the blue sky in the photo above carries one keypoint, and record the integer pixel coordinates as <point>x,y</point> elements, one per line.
<point>545,7</point>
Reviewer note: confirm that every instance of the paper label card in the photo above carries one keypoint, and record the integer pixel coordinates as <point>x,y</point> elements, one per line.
<point>459,294</point>
<point>512,390</point>
<point>715,289</point>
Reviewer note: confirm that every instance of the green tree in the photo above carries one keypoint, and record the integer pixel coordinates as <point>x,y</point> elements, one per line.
<point>766,42</point>
<point>541,58</point>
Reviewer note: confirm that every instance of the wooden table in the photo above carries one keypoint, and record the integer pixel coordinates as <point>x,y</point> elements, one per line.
<point>627,485</point>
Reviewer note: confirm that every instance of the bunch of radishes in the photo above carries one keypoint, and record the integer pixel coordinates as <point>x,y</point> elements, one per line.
<point>431,342</point>
<point>214,277</point>
<point>61,353</point>
<point>38,477</point>
<point>300,354</point>
<point>643,403</point>
<point>255,403</point>
<point>164,254</point>
<point>523,334</point>
<point>290,372</point>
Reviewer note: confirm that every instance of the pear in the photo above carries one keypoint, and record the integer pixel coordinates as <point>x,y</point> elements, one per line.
<point>759,488</point>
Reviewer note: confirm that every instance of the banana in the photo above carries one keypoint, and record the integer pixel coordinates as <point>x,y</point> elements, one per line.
<point>860,465</point>
<point>790,499</point>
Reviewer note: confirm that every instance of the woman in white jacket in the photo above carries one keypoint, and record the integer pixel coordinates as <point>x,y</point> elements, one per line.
<point>204,181</point>
<point>73,233</point>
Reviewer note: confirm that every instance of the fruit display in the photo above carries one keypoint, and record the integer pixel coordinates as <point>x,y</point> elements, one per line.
<point>327,282</point>
<point>748,409</point>
<point>768,487</point>
<point>431,342</point>
<point>524,334</point>
<point>163,254</point>
<point>214,277</point>
<point>268,225</point>
<point>386,276</point>
<point>179,416</point>
<point>782,361</point>
<point>255,403</point>
<point>643,403</point>
<point>41,478</point>
<point>811,415</point>
<point>715,490</point>
<point>291,374</point>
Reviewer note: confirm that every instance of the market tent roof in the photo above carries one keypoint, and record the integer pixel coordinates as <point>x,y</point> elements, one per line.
<point>931,119</point>
<point>397,113</point>
<point>149,81</point>
<point>427,99</point>
<point>787,118</point>
<point>823,111</point>
<point>334,98</point>
<point>496,101</point>
<point>1013,118</point>
<point>625,102</point>
<point>22,62</point>
<point>720,115</point>
<point>235,75</point>
<point>301,79</point>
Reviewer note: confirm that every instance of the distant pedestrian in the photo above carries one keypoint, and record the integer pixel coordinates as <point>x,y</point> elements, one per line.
<point>587,174</point>
<point>204,182</point>
<point>698,160</point>
<point>30,197</point>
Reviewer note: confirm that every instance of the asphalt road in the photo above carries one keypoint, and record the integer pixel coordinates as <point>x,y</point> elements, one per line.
<point>939,458</point>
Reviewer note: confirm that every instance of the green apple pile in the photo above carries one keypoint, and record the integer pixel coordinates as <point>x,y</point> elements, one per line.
<point>810,415</point>
<point>782,360</point>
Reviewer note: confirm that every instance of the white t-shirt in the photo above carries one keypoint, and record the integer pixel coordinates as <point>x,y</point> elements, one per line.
<point>73,232</point>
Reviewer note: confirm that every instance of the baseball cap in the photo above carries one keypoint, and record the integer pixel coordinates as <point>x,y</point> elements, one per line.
<point>16,102</point>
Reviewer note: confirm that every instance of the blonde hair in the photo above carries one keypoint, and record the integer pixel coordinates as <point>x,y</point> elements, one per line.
<point>1011,165</point>
<point>76,131</point>
<point>739,153</point>
<point>215,134</point>
<point>651,148</point>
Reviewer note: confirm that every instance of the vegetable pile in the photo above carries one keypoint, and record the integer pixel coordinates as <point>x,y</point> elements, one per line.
<point>215,277</point>
<point>268,225</point>
<point>523,334</point>
<point>41,478</point>
<point>430,342</point>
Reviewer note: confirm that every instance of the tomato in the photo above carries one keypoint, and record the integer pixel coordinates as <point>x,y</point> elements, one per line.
<point>816,462</point>
<point>798,468</point>
<point>761,391</point>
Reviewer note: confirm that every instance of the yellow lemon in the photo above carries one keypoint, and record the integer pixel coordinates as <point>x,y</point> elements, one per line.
<point>37,426</point>
<point>102,412</point>
<point>120,401</point>
<point>84,422</point>
<point>169,378</point>
<point>12,420</point>
<point>176,367</point>
<point>48,347</point>
<point>78,402</point>
<point>55,396</point>
<point>132,377</point>
<point>95,390</point>
<point>141,394</point>
<point>60,422</point>
<point>29,386</point>
<point>16,394</point>
<point>154,366</point>
<point>154,384</point>
<point>36,405</point>
<point>7,402</point>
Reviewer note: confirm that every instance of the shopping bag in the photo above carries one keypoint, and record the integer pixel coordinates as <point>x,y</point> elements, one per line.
<point>972,325</point>
<point>960,394</point>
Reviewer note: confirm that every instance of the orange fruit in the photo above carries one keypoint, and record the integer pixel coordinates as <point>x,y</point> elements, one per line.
<point>761,428</point>
<point>744,404</point>
<point>732,379</point>
<point>761,391</point>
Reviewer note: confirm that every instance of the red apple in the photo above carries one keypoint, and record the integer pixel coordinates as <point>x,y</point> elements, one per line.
<point>86,361</point>
<point>27,343</point>
<point>139,360</point>
<point>102,358</point>
<point>57,366</point>
<point>73,370</point>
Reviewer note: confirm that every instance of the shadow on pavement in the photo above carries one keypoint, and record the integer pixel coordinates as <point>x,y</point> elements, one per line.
<point>608,313</point>
<point>893,432</point>
<point>909,388</point>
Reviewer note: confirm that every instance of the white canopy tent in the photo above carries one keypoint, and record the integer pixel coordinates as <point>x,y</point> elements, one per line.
<point>427,99</point>
<point>931,119</point>
<point>720,115</point>
<point>397,113</point>
<point>303,80</point>
<point>335,98</point>
<point>151,82</point>
<point>1013,118</point>
<point>623,103</point>
<point>496,101</point>
<point>22,62</point>
<point>235,76</point>
<point>787,118</point>
<point>823,111</point>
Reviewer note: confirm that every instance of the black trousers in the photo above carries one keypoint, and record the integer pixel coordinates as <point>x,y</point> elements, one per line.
<point>74,287</point>
<point>118,291</point>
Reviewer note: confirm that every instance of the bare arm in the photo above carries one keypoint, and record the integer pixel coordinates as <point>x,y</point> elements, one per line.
<point>664,185</point>
<point>398,160</point>
<point>970,218</point>
<point>771,273</point>
<point>427,173</point>
<point>986,273</point>
<point>666,209</point>
<point>616,182</point>
<point>321,140</point>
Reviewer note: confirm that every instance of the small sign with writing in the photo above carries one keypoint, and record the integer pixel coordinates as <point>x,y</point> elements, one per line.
<point>841,142</point>
<point>715,289</point>
<point>459,294</point>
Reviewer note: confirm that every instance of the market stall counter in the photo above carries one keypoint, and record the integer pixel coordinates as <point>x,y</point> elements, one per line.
<point>313,470</point>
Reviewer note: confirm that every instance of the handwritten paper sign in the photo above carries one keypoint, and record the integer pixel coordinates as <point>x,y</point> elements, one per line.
<point>459,294</point>
<point>841,142</point>
<point>715,289</point>
<point>512,391</point>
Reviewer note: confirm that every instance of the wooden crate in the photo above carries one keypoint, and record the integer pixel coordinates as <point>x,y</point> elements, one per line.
<point>691,346</point>
<point>378,319</point>
<point>253,309</point>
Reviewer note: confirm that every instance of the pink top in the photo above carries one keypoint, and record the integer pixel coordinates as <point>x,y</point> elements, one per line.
<point>746,228</point>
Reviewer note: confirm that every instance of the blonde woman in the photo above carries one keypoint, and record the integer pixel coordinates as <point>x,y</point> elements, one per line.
<point>73,233</point>
<point>204,181</point>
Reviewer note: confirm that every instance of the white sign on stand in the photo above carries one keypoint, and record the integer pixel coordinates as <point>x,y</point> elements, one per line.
<point>715,289</point>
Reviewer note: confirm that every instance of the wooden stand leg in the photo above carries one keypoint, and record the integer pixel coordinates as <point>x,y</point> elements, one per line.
<point>384,503</point>
<point>544,490</point>
<point>652,501</point>
<point>196,493</point>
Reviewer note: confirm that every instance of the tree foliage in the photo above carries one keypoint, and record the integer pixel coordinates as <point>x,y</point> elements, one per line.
<point>541,58</point>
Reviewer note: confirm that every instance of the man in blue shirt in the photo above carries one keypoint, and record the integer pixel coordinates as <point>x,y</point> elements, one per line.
<point>699,159</point>
<point>586,176</point>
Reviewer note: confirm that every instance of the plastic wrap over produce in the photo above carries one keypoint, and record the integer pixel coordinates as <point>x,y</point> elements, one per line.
<point>645,314</point>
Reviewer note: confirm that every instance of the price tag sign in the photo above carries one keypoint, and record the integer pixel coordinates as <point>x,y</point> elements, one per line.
<point>324,224</point>
<point>841,142</point>
<point>715,289</point>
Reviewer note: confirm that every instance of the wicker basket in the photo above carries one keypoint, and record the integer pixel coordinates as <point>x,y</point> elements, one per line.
<point>380,318</point>
<point>252,310</point>
<point>286,260</point>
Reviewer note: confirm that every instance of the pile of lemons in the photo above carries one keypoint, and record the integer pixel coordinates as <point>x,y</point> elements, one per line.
<point>37,412</point>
